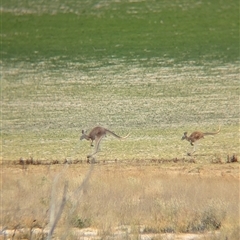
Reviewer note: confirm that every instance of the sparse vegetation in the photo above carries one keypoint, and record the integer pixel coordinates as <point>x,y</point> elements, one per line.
<point>150,199</point>
<point>78,222</point>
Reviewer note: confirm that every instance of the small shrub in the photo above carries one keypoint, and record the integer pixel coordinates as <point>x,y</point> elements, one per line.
<point>81,223</point>
<point>208,220</point>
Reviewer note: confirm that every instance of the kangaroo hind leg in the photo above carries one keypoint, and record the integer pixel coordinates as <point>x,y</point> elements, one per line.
<point>194,149</point>
<point>97,144</point>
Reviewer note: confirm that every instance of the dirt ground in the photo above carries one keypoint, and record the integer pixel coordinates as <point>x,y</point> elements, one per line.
<point>166,166</point>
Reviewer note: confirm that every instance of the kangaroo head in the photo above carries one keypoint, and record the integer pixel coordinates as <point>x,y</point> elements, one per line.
<point>84,136</point>
<point>184,136</point>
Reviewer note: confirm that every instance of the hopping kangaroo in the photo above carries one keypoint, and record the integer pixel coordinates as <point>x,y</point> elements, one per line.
<point>197,135</point>
<point>97,133</point>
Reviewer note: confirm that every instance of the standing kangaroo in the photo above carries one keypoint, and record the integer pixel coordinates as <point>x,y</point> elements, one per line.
<point>97,133</point>
<point>197,135</point>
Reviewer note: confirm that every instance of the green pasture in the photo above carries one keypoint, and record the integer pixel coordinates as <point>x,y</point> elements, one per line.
<point>78,30</point>
<point>151,68</point>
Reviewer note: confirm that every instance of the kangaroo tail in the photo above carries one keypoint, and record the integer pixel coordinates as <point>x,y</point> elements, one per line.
<point>115,135</point>
<point>213,133</point>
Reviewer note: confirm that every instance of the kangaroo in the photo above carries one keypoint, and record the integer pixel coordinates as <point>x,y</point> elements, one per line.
<point>97,133</point>
<point>197,135</point>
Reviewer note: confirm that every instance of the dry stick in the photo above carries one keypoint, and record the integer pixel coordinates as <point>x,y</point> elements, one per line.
<point>77,196</point>
<point>63,202</point>
<point>80,188</point>
<point>53,216</point>
<point>15,229</point>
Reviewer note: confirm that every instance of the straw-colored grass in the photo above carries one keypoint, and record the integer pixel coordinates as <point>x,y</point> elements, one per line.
<point>148,199</point>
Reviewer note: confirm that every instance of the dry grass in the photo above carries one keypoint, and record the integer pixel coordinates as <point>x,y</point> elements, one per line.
<point>148,198</point>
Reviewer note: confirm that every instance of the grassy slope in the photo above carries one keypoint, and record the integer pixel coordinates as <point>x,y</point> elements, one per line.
<point>66,68</point>
<point>134,30</point>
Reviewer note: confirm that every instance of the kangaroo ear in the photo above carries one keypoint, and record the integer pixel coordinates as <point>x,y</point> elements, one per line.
<point>82,131</point>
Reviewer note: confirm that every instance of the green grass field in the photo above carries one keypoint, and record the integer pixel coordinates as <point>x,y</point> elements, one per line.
<point>154,69</point>
<point>140,30</point>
